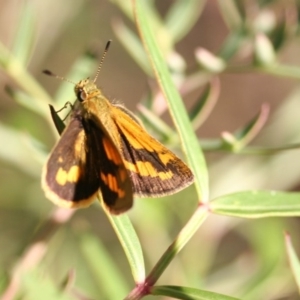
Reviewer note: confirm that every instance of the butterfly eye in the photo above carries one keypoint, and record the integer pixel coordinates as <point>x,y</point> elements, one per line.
<point>81,95</point>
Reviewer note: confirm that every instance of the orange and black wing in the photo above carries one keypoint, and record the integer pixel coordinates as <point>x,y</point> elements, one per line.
<point>115,183</point>
<point>84,162</point>
<point>154,170</point>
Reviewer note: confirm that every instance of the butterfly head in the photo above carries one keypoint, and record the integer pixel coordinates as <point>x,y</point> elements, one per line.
<point>85,89</point>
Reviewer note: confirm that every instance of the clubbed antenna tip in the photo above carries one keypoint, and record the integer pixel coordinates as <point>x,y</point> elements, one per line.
<point>102,59</point>
<point>47,72</point>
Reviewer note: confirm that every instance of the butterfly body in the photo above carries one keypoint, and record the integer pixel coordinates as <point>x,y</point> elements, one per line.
<point>104,151</point>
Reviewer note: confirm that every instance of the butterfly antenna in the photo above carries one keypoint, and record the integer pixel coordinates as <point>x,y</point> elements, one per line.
<point>102,60</point>
<point>47,72</point>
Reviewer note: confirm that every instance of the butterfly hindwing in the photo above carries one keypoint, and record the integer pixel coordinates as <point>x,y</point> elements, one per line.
<point>115,184</point>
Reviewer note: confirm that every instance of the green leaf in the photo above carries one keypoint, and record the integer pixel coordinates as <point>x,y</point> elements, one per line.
<point>157,25</point>
<point>242,137</point>
<point>186,293</point>
<point>19,149</point>
<point>293,259</point>
<point>36,286</point>
<point>233,43</point>
<point>130,244</point>
<point>25,35</point>
<point>266,245</point>
<point>124,6</point>
<point>17,71</point>
<point>103,267</point>
<point>232,13</point>
<point>156,123</point>
<point>253,127</point>
<point>204,106</point>
<point>279,35</point>
<point>257,204</point>
<point>182,16</point>
<point>27,101</point>
<point>133,46</point>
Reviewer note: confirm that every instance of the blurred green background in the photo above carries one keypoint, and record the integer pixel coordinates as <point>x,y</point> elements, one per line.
<point>242,258</point>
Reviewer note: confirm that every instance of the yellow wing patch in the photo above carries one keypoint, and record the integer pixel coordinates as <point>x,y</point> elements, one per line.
<point>73,175</point>
<point>147,169</point>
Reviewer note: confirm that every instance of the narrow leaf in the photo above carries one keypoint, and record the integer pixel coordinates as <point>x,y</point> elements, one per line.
<point>156,123</point>
<point>182,16</point>
<point>204,106</point>
<point>231,13</point>
<point>187,293</point>
<point>130,244</point>
<point>103,268</point>
<point>34,286</point>
<point>133,45</point>
<point>257,204</point>
<point>24,37</point>
<point>14,68</point>
<point>242,137</point>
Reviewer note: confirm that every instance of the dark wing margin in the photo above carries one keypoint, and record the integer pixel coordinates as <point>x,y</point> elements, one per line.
<point>154,170</point>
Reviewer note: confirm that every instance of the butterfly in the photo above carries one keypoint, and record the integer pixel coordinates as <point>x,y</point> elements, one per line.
<point>105,152</point>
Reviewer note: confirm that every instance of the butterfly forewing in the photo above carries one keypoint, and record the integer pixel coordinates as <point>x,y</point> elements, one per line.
<point>154,170</point>
<point>70,178</point>
<point>90,163</point>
